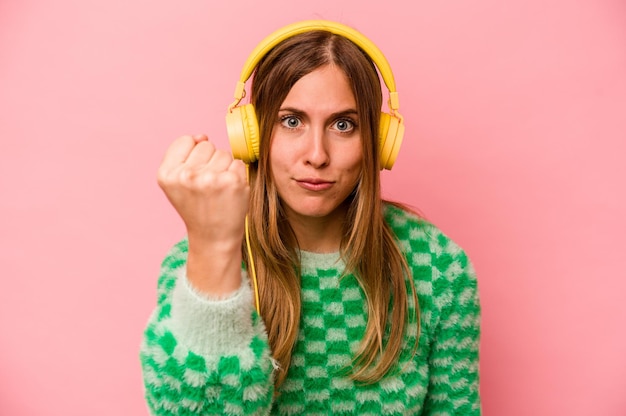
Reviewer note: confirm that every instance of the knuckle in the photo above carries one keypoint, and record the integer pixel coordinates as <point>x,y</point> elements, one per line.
<point>160,177</point>
<point>187,176</point>
<point>206,181</point>
<point>163,178</point>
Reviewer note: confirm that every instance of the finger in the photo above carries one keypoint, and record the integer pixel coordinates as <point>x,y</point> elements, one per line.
<point>200,155</point>
<point>220,161</point>
<point>177,153</point>
<point>200,137</point>
<point>238,168</point>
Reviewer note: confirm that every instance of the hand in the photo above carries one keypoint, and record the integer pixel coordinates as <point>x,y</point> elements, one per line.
<point>210,192</point>
<point>208,189</point>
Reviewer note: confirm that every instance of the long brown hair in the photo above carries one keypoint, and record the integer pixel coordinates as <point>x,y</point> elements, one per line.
<point>368,248</point>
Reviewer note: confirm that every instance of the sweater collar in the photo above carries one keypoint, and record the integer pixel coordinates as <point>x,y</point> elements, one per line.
<point>311,261</point>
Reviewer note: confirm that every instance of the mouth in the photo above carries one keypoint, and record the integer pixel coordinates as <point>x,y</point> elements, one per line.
<point>314,184</point>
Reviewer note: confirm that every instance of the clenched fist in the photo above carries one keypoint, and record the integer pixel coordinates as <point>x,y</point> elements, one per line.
<point>209,191</point>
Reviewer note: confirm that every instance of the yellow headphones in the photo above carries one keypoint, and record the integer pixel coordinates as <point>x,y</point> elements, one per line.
<point>241,122</point>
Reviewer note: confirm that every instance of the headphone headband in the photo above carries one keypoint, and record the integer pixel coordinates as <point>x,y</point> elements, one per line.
<point>241,122</point>
<point>333,27</point>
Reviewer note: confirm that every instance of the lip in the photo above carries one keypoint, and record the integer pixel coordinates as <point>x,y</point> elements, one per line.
<point>314,184</point>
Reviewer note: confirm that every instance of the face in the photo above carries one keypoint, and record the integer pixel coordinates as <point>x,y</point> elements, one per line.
<point>316,150</point>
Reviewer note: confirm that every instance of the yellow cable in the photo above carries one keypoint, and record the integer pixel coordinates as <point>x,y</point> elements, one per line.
<point>255,284</point>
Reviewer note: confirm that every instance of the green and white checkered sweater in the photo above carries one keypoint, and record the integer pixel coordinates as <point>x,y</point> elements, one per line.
<point>202,356</point>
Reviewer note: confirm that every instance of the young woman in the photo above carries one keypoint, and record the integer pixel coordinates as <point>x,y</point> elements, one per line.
<point>364,307</point>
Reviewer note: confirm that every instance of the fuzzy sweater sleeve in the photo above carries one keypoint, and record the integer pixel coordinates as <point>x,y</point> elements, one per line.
<point>203,356</point>
<point>454,373</point>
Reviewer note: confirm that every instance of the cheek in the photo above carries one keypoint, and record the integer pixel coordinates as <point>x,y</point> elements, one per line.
<point>279,171</point>
<point>278,153</point>
<point>358,165</point>
<point>277,163</point>
<point>352,172</point>
<point>274,158</point>
<point>354,162</point>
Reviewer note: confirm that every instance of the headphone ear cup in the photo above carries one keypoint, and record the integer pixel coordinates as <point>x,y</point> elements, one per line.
<point>243,133</point>
<point>390,135</point>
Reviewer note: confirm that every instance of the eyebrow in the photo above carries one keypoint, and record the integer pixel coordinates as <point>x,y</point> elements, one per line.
<point>347,112</point>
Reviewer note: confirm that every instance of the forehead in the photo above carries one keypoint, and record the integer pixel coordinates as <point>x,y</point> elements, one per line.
<point>326,89</point>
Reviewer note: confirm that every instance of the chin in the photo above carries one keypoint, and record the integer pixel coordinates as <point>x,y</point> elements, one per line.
<point>313,213</point>
<point>317,211</point>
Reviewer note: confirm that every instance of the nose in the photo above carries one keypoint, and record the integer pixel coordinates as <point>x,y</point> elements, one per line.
<point>317,153</point>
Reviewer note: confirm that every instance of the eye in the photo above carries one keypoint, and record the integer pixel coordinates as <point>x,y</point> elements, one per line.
<point>291,122</point>
<point>344,125</point>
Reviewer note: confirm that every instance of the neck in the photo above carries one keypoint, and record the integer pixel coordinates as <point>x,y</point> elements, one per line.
<point>319,234</point>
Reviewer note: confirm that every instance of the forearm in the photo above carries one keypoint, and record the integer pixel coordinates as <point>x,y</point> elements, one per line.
<point>180,381</point>
<point>201,355</point>
<point>454,356</point>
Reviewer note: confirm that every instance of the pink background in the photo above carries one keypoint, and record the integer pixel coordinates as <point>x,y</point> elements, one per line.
<point>516,131</point>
